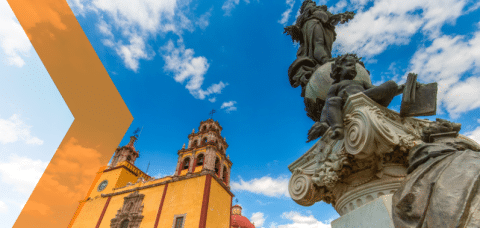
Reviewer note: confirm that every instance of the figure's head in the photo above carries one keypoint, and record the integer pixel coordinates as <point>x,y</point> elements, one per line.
<point>344,67</point>
<point>307,4</point>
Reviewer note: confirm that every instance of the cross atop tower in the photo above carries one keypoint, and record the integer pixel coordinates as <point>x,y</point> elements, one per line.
<point>211,113</point>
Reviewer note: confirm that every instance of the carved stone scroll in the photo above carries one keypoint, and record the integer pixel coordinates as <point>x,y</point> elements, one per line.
<point>369,162</point>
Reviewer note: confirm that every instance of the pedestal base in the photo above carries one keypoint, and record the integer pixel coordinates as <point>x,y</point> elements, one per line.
<point>375,214</point>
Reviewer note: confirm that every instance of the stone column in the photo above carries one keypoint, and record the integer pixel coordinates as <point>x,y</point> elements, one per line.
<point>192,163</point>
<point>178,165</point>
<point>209,162</point>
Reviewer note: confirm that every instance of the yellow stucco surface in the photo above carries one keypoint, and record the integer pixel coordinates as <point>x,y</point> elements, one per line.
<point>90,213</point>
<point>115,204</point>
<point>218,215</point>
<point>198,169</point>
<point>151,202</point>
<point>183,197</point>
<point>125,177</point>
<point>116,178</point>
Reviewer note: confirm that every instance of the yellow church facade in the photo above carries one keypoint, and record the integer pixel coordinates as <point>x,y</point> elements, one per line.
<point>197,195</point>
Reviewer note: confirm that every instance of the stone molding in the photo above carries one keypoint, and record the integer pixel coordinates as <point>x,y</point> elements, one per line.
<point>372,154</point>
<point>174,179</point>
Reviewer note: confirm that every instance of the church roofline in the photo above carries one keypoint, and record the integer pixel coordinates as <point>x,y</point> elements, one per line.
<point>130,169</point>
<point>174,179</point>
<point>212,121</point>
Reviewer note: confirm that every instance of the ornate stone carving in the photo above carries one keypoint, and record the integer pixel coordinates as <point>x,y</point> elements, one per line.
<point>131,211</point>
<point>370,161</point>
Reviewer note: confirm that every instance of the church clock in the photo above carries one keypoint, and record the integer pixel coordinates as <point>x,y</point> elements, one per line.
<point>102,185</point>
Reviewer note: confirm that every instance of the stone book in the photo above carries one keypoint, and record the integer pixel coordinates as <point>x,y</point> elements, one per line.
<point>418,99</point>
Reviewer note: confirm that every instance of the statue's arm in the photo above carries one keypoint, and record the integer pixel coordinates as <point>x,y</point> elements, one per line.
<point>341,18</point>
<point>367,85</point>
<point>332,92</point>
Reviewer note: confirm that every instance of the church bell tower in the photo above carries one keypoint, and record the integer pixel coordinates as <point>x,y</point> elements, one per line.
<point>125,153</point>
<point>206,152</point>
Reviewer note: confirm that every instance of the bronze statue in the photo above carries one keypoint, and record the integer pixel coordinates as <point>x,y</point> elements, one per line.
<point>442,188</point>
<point>315,31</point>
<point>343,73</point>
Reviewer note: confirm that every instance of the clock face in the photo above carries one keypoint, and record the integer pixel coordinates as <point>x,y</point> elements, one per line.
<point>102,185</point>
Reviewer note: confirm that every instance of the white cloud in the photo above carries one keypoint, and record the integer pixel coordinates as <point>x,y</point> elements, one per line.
<point>392,22</point>
<point>22,173</point>
<point>338,7</point>
<point>229,5</point>
<point>229,106</point>
<point>301,221</point>
<point>128,25</point>
<point>258,219</point>
<point>14,129</point>
<point>473,8</point>
<point>445,61</point>
<point>133,52</point>
<point>213,99</point>
<point>13,40</point>
<point>3,207</point>
<point>265,186</point>
<point>286,14</point>
<point>475,134</point>
<point>186,67</point>
<point>204,19</point>
<point>105,28</point>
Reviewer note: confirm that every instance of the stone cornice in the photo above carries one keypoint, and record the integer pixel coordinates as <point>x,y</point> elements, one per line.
<point>207,131</point>
<point>211,121</point>
<point>174,179</point>
<point>131,168</point>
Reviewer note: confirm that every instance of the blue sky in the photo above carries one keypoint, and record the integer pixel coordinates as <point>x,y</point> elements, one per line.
<point>174,61</point>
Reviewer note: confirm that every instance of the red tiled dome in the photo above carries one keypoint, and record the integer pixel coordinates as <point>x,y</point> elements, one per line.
<point>239,221</point>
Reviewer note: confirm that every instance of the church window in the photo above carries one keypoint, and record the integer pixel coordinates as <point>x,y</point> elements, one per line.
<point>125,223</point>
<point>217,166</point>
<point>179,221</point>
<point>225,174</point>
<point>200,160</point>
<point>129,158</point>
<point>195,143</point>
<point>186,163</point>
<point>204,128</point>
<point>205,140</point>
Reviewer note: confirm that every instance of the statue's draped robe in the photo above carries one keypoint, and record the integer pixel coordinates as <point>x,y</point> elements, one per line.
<point>442,189</point>
<point>316,36</point>
<point>315,48</point>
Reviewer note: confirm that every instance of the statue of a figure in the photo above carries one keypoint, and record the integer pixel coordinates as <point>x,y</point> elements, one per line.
<point>443,184</point>
<point>315,31</point>
<point>343,73</point>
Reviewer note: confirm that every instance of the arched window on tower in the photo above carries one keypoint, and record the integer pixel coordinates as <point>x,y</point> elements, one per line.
<point>129,158</point>
<point>195,143</point>
<point>200,160</point>
<point>204,128</point>
<point>225,175</point>
<point>217,166</point>
<point>186,163</point>
<point>205,140</point>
